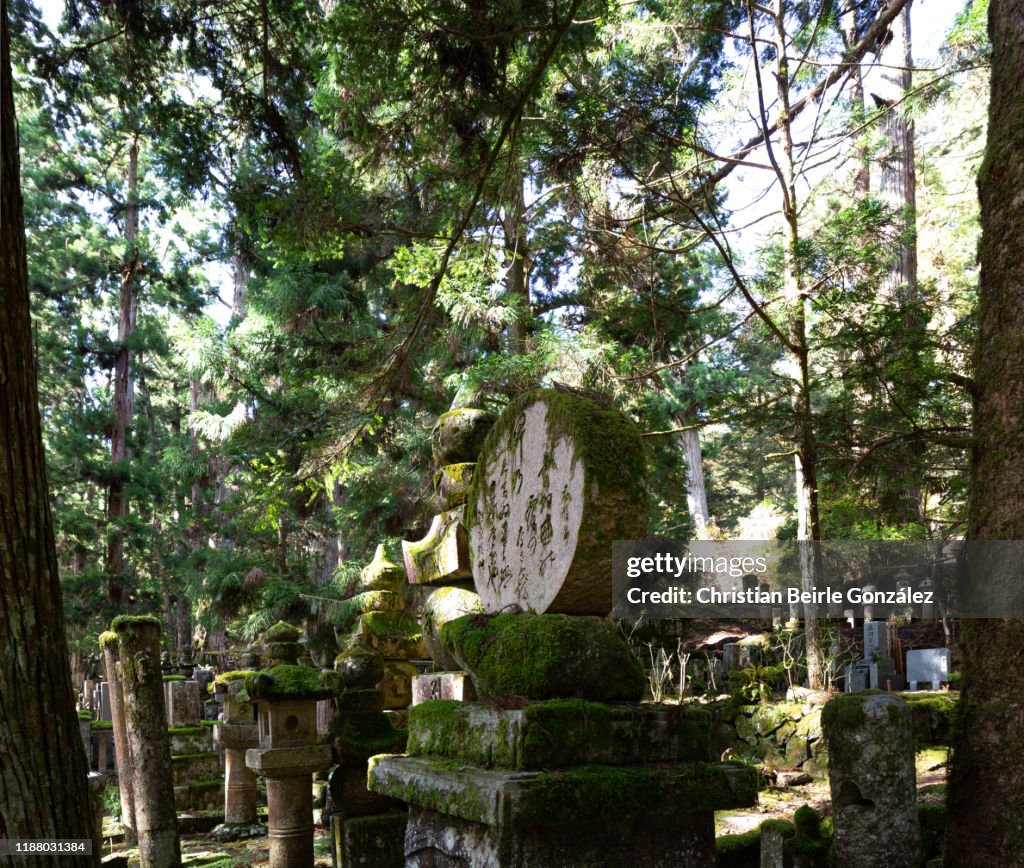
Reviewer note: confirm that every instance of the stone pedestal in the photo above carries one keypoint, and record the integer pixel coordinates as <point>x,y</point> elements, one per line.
<point>872,780</point>
<point>145,722</point>
<point>288,755</point>
<point>456,686</point>
<point>560,783</point>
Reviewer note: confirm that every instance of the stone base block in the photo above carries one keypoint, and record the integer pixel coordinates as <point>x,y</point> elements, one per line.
<point>558,734</point>
<point>191,739</point>
<point>588,795</point>
<point>377,841</point>
<point>457,686</point>
<point>393,635</point>
<point>288,761</point>
<point>199,796</point>
<point>190,768</point>
<point>433,839</point>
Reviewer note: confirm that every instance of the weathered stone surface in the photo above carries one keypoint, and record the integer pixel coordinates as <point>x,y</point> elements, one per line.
<point>191,739</point>
<point>360,702</point>
<point>358,666</point>
<point>377,841</point>
<point>558,734</point>
<point>294,761</point>
<point>184,704</point>
<point>381,574</point>
<point>289,682</point>
<point>442,556</point>
<point>433,840</point>
<point>189,768</point>
<point>206,795</point>
<point>396,685</point>
<point>347,785</point>
<point>393,635</point>
<point>148,744</point>
<point>872,779</point>
<point>452,482</point>
<point>457,686</point>
<point>559,478</point>
<point>545,657</point>
<point>458,435</point>
<point>442,606</point>
<point>575,797</point>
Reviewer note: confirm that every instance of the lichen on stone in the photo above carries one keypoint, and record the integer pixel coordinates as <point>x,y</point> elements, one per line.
<point>132,622</point>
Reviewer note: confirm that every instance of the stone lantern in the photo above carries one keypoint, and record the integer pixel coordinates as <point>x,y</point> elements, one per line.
<point>236,734</point>
<point>288,754</point>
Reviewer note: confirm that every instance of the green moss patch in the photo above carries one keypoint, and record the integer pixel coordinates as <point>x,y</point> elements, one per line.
<point>282,632</point>
<point>175,678</point>
<point>545,657</point>
<point>107,637</point>
<point>292,682</point>
<point>185,730</point>
<point>134,622</point>
<point>102,725</point>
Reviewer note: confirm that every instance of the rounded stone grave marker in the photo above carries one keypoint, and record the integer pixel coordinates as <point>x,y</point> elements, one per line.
<point>559,478</point>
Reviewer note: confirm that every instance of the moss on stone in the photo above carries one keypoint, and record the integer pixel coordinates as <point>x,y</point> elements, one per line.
<point>931,821</point>
<point>233,675</point>
<point>102,725</point>
<point>846,711</point>
<point>282,632</point>
<point>185,730</point>
<point>84,714</point>
<point>738,851</point>
<point>292,682</point>
<point>107,637</point>
<point>183,758</point>
<point>933,717</point>
<point>132,622</point>
<point>175,678</point>
<point>386,624</point>
<point>545,656</point>
<point>458,435</point>
<point>605,439</point>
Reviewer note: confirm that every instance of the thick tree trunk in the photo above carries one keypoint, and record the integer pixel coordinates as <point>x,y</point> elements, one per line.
<point>862,165</point>
<point>898,175</point>
<point>696,492</point>
<point>986,787</point>
<point>43,771</point>
<point>517,281</point>
<point>124,391</point>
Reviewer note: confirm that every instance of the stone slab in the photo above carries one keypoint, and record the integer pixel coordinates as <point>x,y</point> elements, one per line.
<point>184,703</point>
<point>433,839</point>
<point>586,795</point>
<point>297,760</point>
<point>456,686</point>
<point>558,734</point>
<point>190,768</point>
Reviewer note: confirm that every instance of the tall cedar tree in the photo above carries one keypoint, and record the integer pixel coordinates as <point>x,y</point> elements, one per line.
<point>43,773</point>
<point>986,787</point>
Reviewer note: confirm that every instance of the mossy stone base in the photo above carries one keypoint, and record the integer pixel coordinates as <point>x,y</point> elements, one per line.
<point>545,657</point>
<point>573,798</point>
<point>200,796</point>
<point>191,740</point>
<point>559,733</point>
<point>434,839</point>
<point>288,682</point>
<point>451,484</point>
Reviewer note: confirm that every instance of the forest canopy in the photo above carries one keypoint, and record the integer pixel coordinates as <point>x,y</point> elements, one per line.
<point>270,242</point>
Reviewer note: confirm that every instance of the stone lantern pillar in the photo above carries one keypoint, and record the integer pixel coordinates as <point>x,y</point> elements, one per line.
<point>236,734</point>
<point>288,754</point>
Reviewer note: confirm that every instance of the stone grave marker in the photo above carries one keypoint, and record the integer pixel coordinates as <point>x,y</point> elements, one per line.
<point>559,478</point>
<point>927,666</point>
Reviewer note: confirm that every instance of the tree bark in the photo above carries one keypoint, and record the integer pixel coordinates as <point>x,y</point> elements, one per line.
<point>696,492</point>
<point>517,281</point>
<point>862,170</point>
<point>124,391</point>
<point>986,788</point>
<point>806,452</point>
<point>43,771</point>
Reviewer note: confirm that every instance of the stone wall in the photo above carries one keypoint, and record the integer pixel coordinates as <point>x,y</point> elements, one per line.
<point>788,734</point>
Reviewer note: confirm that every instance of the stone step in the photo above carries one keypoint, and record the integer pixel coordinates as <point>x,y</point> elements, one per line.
<point>559,733</point>
<point>592,794</point>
